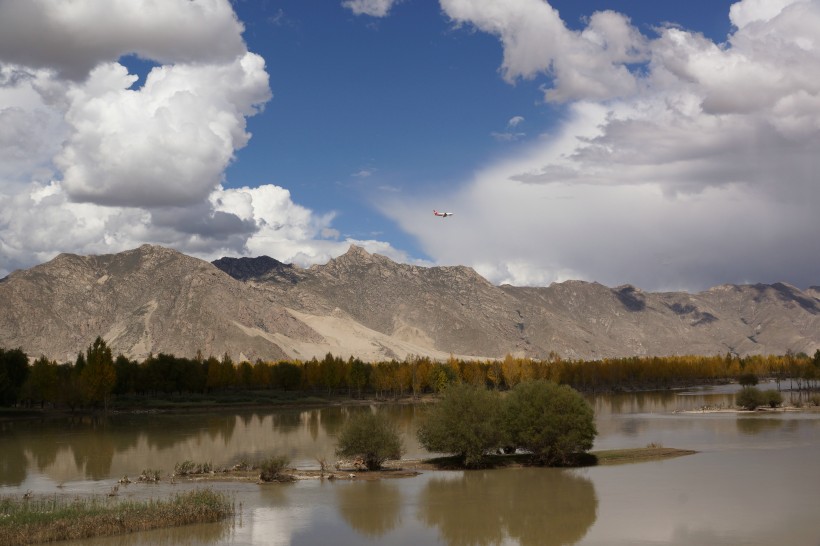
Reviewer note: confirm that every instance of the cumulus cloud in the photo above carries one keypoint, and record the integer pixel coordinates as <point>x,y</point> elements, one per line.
<point>166,143</point>
<point>38,223</point>
<point>374,8</point>
<point>74,37</point>
<point>89,163</point>
<point>587,64</point>
<point>698,169</point>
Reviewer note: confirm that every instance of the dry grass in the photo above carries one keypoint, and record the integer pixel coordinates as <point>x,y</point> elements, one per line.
<point>35,520</point>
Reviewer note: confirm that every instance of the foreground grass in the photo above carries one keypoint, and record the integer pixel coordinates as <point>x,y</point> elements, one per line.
<point>30,521</point>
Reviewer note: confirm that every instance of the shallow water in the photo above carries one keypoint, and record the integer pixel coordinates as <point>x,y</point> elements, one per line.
<point>755,480</point>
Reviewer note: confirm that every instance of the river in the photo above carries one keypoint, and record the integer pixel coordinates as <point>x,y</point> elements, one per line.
<point>754,481</point>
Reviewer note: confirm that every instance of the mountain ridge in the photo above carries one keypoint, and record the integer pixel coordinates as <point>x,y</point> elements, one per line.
<point>153,299</point>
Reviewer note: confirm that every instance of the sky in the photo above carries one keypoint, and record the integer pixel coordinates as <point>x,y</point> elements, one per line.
<point>668,145</point>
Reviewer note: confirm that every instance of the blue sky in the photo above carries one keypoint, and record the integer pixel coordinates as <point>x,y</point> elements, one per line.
<point>665,144</point>
<point>365,105</point>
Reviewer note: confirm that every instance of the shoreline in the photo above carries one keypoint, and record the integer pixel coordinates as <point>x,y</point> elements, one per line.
<point>407,468</point>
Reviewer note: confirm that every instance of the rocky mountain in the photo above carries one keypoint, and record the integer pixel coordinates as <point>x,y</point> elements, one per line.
<point>453,309</point>
<point>154,299</point>
<point>148,300</point>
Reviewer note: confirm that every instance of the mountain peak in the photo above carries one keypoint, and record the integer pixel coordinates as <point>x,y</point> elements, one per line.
<point>355,255</point>
<point>246,268</point>
<point>358,253</point>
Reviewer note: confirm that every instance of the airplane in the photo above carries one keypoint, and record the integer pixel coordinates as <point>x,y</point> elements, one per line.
<point>442,214</point>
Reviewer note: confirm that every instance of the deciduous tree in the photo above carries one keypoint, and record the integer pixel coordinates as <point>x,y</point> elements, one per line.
<point>371,436</point>
<point>551,421</point>
<point>465,423</point>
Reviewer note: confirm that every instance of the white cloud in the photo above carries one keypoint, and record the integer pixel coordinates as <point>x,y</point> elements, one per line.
<point>167,143</point>
<point>700,169</point>
<point>74,37</point>
<point>587,64</point>
<point>373,8</point>
<point>510,135</point>
<point>750,11</point>
<point>89,164</point>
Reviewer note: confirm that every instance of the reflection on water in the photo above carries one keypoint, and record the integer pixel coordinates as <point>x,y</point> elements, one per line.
<point>531,506</point>
<point>757,425</point>
<point>97,448</point>
<point>699,499</point>
<point>101,447</point>
<point>372,508</point>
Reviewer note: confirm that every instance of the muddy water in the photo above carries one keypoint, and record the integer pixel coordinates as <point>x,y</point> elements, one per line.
<point>755,480</point>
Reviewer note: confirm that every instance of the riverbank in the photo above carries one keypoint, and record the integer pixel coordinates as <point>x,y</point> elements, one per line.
<point>406,468</point>
<point>34,519</point>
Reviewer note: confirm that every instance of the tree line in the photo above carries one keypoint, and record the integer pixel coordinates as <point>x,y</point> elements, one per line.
<point>96,376</point>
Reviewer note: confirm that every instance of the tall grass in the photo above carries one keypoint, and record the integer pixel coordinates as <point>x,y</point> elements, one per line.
<point>36,520</point>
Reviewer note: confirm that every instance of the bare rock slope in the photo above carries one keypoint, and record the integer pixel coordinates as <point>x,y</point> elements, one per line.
<point>150,299</point>
<point>453,309</point>
<point>153,299</point>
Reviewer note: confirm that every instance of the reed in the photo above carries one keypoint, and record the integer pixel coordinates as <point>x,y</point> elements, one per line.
<point>46,519</point>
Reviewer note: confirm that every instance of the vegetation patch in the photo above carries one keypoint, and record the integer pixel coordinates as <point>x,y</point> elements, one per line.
<point>551,423</point>
<point>48,519</point>
<point>186,468</point>
<point>635,455</point>
<point>272,469</point>
<point>371,437</point>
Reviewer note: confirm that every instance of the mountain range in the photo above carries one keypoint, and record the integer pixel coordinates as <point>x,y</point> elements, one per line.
<point>156,300</point>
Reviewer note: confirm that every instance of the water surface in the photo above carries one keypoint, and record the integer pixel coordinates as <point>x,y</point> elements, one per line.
<point>755,480</point>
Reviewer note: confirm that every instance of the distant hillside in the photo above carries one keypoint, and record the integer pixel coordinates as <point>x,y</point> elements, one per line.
<point>148,300</point>
<point>153,299</point>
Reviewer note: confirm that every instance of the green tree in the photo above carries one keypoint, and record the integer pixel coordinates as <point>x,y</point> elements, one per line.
<point>14,371</point>
<point>42,384</point>
<point>71,392</point>
<point>287,376</point>
<point>127,375</point>
<point>332,372</point>
<point>747,379</point>
<point>773,398</point>
<point>465,423</point>
<point>750,398</point>
<point>551,421</point>
<point>358,375</point>
<point>371,436</point>
<point>98,377</point>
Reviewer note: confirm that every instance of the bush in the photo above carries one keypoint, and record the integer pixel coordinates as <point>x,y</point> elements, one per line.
<point>271,469</point>
<point>465,423</point>
<point>773,398</point>
<point>750,398</point>
<point>747,379</point>
<point>189,467</point>
<point>371,436</point>
<point>549,420</point>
